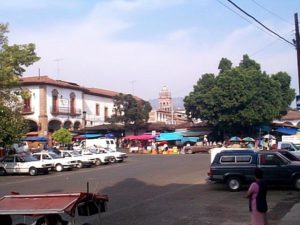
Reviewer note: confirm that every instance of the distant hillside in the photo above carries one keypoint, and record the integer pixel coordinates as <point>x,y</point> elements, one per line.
<point>177,102</point>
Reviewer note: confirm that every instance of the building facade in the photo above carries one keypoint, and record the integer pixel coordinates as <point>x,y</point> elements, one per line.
<point>166,112</point>
<point>52,104</point>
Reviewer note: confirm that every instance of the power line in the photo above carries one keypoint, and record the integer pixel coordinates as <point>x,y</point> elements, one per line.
<point>241,16</point>
<point>269,11</point>
<point>235,5</point>
<point>268,45</point>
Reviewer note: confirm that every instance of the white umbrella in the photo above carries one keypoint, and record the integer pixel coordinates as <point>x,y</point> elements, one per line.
<point>269,136</point>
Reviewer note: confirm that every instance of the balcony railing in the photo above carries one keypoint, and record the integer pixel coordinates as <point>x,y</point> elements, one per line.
<point>65,111</point>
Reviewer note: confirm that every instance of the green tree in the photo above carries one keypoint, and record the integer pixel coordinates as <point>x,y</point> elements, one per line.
<point>13,61</point>
<point>240,97</point>
<point>130,111</point>
<point>224,65</point>
<point>12,125</point>
<point>62,136</point>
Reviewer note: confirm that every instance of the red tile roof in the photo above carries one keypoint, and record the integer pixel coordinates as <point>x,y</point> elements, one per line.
<point>291,115</point>
<point>65,84</point>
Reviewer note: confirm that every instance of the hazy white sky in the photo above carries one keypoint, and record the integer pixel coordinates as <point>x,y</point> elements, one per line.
<point>138,46</point>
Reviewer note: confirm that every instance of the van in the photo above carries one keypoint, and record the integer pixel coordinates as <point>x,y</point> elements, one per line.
<point>107,143</point>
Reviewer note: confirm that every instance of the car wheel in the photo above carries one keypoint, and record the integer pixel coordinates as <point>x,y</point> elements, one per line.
<point>297,183</point>
<point>58,168</point>
<point>98,162</point>
<point>2,172</point>
<point>33,171</point>
<point>190,151</point>
<point>112,160</point>
<point>80,164</point>
<point>234,183</point>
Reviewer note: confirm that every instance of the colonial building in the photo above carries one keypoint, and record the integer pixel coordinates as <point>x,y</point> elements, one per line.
<point>52,104</point>
<point>165,113</point>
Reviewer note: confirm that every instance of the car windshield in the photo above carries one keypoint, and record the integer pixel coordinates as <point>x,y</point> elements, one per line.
<point>94,151</point>
<point>75,153</point>
<point>295,146</point>
<point>54,156</point>
<point>28,158</point>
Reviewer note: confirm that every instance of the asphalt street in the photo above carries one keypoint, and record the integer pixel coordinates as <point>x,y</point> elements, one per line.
<point>156,189</point>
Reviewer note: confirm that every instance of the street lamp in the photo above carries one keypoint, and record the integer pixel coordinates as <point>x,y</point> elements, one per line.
<point>84,124</point>
<point>84,118</point>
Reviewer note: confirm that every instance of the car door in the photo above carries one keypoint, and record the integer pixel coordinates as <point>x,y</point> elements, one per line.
<point>9,163</point>
<point>274,167</point>
<point>18,164</point>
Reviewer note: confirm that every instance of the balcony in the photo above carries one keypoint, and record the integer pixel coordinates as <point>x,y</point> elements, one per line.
<point>65,111</point>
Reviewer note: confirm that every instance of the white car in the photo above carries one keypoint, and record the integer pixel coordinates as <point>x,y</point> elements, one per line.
<point>83,160</point>
<point>115,156</point>
<point>101,158</point>
<point>59,162</point>
<point>12,164</point>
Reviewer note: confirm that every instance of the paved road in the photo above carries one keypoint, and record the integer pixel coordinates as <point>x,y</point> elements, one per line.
<point>157,189</point>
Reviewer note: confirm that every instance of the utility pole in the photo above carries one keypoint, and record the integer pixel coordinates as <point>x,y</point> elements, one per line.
<point>297,45</point>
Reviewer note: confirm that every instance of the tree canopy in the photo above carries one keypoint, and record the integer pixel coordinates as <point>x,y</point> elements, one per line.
<point>62,136</point>
<point>239,97</point>
<point>13,61</point>
<point>130,111</point>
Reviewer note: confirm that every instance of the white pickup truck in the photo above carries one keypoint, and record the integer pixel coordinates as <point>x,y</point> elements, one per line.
<point>59,162</point>
<point>115,156</point>
<point>101,158</point>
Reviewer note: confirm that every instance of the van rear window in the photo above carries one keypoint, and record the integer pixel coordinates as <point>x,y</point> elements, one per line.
<point>236,159</point>
<point>244,158</point>
<point>227,159</point>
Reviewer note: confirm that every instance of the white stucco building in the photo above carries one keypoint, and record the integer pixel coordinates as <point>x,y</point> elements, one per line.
<point>54,103</point>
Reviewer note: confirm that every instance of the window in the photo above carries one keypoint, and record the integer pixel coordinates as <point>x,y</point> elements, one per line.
<point>9,159</point>
<point>105,113</point>
<point>244,159</point>
<point>227,159</point>
<point>55,101</point>
<point>97,110</point>
<point>73,103</point>
<point>38,157</point>
<point>26,105</point>
<point>270,159</point>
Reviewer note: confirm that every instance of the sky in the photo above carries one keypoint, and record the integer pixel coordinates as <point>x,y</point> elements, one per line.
<point>139,46</point>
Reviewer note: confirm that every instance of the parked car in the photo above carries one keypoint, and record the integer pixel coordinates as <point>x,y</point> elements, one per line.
<point>99,159</point>
<point>288,154</point>
<point>115,156</point>
<point>195,149</point>
<point>236,167</point>
<point>82,160</point>
<point>14,164</point>
<point>59,162</point>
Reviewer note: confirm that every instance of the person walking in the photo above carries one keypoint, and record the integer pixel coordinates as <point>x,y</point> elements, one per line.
<point>257,194</point>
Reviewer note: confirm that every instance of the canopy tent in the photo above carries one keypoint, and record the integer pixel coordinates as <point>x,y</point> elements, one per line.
<point>235,139</point>
<point>143,137</point>
<point>287,130</point>
<point>248,139</point>
<point>46,204</point>
<point>35,138</point>
<point>174,136</point>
